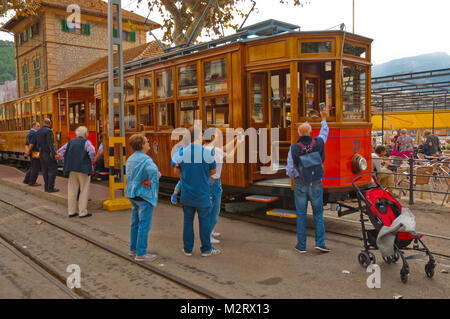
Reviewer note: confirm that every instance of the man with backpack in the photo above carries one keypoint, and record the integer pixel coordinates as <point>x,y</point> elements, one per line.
<point>304,164</point>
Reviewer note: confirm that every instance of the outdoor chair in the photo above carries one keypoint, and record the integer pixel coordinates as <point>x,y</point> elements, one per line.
<point>425,180</point>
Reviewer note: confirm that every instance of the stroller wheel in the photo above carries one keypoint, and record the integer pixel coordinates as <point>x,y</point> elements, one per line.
<point>404,274</point>
<point>364,259</point>
<point>429,270</point>
<point>396,257</point>
<point>373,260</point>
<point>388,260</point>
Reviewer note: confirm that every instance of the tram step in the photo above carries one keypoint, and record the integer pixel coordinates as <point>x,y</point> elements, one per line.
<point>286,213</point>
<point>262,198</point>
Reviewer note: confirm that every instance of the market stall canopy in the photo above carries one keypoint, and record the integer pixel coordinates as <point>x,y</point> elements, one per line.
<point>412,120</point>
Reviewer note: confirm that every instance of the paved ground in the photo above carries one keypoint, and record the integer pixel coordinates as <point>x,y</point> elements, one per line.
<point>256,261</point>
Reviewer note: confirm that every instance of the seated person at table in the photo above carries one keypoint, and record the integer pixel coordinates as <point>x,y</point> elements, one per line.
<point>432,144</point>
<point>379,167</point>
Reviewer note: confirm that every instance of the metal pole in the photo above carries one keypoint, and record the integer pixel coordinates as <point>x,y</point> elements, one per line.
<point>411,181</point>
<point>382,120</point>
<point>353,16</point>
<point>433,118</point>
<point>113,89</point>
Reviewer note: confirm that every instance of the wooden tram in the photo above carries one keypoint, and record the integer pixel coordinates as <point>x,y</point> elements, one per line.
<point>268,75</point>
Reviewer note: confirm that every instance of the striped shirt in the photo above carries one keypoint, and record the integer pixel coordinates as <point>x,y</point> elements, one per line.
<point>88,147</point>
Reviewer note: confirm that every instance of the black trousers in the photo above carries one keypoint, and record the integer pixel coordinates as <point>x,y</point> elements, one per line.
<point>33,171</point>
<point>49,170</point>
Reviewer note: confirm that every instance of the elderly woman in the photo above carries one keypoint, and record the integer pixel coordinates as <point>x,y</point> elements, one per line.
<point>78,156</point>
<point>404,145</point>
<point>142,190</point>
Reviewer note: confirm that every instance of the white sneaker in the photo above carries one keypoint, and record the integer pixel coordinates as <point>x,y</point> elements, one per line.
<point>214,241</point>
<point>215,234</point>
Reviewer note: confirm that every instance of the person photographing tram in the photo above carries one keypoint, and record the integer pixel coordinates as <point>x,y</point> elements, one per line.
<point>304,165</point>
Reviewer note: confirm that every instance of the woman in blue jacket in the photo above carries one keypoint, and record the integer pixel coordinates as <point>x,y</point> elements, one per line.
<point>142,190</point>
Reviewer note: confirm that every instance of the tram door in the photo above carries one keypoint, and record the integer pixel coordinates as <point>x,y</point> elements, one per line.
<point>270,108</point>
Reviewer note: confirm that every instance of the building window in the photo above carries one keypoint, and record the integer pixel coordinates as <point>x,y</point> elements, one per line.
<point>37,74</point>
<point>25,78</point>
<point>25,35</point>
<point>77,28</point>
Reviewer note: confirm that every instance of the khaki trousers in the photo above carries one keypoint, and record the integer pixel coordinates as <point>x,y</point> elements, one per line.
<point>78,181</point>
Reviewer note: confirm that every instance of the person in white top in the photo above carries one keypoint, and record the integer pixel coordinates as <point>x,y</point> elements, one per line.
<point>215,146</point>
<point>379,168</point>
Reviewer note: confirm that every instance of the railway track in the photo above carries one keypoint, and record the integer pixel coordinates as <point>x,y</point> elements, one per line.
<point>41,268</point>
<point>52,275</point>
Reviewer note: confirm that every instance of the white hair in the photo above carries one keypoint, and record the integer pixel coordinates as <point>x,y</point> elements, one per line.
<point>81,131</point>
<point>306,133</point>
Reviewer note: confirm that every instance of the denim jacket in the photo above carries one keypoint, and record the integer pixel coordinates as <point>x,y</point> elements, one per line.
<point>139,168</point>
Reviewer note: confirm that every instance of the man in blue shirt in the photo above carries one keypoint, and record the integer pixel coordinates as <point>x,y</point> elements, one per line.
<point>304,192</point>
<point>195,164</point>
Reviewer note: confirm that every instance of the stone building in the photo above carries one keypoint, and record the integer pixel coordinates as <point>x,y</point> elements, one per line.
<point>49,48</point>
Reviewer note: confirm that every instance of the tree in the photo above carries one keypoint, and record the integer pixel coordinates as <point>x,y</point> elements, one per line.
<point>182,16</point>
<point>21,7</point>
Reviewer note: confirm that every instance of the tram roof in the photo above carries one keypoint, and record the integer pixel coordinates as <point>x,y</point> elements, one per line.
<point>263,30</point>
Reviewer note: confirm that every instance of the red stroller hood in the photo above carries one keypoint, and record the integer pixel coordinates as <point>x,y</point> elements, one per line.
<point>391,210</point>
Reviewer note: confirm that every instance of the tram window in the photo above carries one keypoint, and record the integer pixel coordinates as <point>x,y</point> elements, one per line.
<point>145,87</point>
<point>128,90</point>
<point>165,114</point>
<point>77,113</point>
<point>164,84</point>
<point>354,93</point>
<point>145,115</point>
<point>188,111</point>
<point>316,47</point>
<point>130,119</point>
<point>217,111</point>
<point>187,80</point>
<point>216,75</point>
<point>355,50</point>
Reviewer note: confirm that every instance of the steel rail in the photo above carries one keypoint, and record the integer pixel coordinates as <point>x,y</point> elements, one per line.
<point>41,268</point>
<point>180,281</point>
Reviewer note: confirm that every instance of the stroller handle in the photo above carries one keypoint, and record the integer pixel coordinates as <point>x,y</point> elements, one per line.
<point>354,181</point>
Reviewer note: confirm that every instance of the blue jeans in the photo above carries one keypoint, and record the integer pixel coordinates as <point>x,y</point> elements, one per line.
<point>141,220</point>
<point>216,199</point>
<point>314,193</point>
<point>188,228</point>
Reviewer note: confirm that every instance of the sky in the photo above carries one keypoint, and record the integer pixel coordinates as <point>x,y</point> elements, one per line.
<point>399,28</point>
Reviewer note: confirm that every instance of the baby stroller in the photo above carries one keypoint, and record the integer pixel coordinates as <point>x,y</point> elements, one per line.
<point>394,230</point>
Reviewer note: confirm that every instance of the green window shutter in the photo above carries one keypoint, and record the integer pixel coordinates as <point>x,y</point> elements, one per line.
<point>115,35</point>
<point>133,36</point>
<point>64,25</point>
<point>86,29</point>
